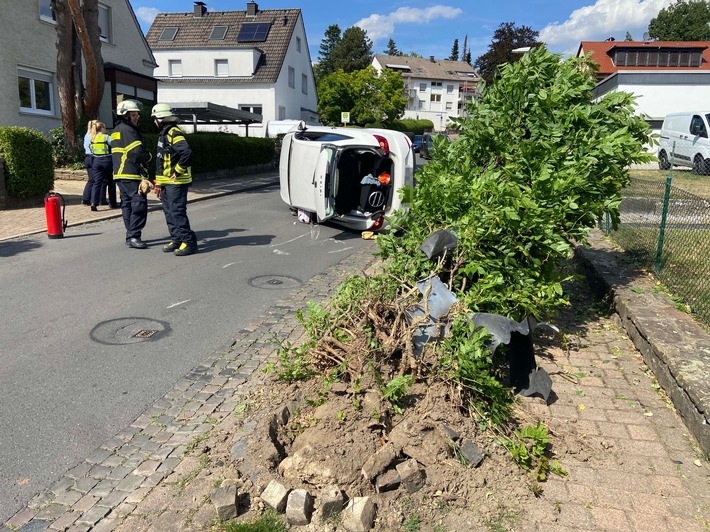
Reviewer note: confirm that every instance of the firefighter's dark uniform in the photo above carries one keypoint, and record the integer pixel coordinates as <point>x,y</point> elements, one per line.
<point>173,158</point>
<point>129,159</point>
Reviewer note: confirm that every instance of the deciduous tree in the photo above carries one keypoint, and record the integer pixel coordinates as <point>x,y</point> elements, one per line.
<point>506,38</point>
<point>682,21</point>
<point>365,95</point>
<point>78,41</point>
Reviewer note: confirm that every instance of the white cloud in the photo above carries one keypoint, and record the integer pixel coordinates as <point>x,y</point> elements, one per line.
<point>603,19</point>
<point>382,26</point>
<point>147,14</point>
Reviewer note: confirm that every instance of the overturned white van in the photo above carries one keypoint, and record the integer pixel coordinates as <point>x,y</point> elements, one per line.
<point>350,175</point>
<point>684,141</point>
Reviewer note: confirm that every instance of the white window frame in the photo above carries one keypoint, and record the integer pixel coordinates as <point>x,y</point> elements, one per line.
<point>45,11</point>
<point>174,72</point>
<point>304,84</point>
<point>422,87</point>
<point>436,84</point>
<point>106,33</point>
<point>42,77</point>
<point>282,112</point>
<point>257,109</point>
<point>221,68</point>
<point>449,89</point>
<point>292,77</point>
<point>449,106</point>
<point>298,44</point>
<point>435,98</point>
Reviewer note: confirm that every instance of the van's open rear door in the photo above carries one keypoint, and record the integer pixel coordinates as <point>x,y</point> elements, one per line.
<point>324,182</point>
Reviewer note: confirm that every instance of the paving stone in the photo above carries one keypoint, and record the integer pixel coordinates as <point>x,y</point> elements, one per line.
<point>225,501</point>
<point>275,495</point>
<point>411,475</point>
<point>51,512</point>
<point>41,500</point>
<point>85,503</point>
<point>93,516</point>
<point>69,497</point>
<point>64,521</point>
<point>130,483</point>
<point>331,501</point>
<point>299,507</point>
<point>84,485</point>
<point>358,515</point>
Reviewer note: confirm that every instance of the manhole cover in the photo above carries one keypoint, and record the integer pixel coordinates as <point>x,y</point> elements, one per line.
<point>275,282</point>
<point>129,331</point>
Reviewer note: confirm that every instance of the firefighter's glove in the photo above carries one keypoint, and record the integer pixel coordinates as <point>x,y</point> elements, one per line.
<point>145,187</point>
<point>158,190</point>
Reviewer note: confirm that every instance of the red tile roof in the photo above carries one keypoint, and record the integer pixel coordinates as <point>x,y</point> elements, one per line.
<point>602,53</point>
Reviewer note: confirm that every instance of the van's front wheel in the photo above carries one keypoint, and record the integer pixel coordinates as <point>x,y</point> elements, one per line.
<point>663,162</point>
<point>701,165</point>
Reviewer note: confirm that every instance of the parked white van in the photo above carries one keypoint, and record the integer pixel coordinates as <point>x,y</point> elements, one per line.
<point>684,141</point>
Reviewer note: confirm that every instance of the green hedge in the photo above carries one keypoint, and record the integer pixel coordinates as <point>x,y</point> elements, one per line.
<point>220,151</point>
<point>29,167</point>
<point>408,125</point>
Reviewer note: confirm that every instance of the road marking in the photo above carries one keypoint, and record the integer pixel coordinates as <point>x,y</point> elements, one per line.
<point>231,264</point>
<point>340,250</point>
<point>180,303</point>
<point>279,252</point>
<point>287,242</point>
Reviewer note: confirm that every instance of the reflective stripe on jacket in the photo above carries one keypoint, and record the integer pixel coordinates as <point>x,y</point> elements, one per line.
<point>128,152</point>
<point>100,144</point>
<point>174,156</point>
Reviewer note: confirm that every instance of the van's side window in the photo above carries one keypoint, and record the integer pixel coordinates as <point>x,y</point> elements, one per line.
<point>697,127</point>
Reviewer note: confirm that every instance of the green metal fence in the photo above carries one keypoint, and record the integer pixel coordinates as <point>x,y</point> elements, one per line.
<point>668,229</point>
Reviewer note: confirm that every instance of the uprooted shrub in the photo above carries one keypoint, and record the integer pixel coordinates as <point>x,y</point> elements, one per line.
<point>536,164</point>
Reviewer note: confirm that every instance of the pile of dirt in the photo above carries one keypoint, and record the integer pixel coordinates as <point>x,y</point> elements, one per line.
<point>307,438</point>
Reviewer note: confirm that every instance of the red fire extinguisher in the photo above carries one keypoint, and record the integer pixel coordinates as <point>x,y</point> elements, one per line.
<point>54,209</point>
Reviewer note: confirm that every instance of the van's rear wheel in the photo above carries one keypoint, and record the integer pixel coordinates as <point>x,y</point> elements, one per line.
<point>700,165</point>
<point>663,162</point>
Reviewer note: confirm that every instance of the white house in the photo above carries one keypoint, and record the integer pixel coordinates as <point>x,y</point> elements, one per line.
<point>28,62</point>
<point>254,60</point>
<point>664,76</point>
<point>437,90</point>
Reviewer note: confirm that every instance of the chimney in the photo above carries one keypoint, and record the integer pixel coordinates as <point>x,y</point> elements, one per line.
<point>431,58</point>
<point>200,9</point>
<point>252,8</point>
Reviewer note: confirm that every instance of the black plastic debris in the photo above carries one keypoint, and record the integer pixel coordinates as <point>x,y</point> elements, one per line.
<point>439,297</point>
<point>525,377</point>
<point>438,243</point>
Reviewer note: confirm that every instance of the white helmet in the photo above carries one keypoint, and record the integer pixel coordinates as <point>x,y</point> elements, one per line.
<point>161,110</point>
<point>128,105</point>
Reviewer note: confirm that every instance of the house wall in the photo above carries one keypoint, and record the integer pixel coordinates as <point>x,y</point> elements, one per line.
<point>659,93</point>
<point>26,42</point>
<point>29,42</point>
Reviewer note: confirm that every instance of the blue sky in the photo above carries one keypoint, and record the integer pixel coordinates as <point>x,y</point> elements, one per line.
<point>429,28</point>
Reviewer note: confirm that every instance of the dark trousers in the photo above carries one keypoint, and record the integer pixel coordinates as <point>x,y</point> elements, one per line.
<point>174,200</point>
<point>134,207</point>
<point>110,188</point>
<point>86,196</point>
<point>100,173</point>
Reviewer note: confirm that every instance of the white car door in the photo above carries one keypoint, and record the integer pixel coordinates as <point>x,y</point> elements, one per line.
<point>324,182</point>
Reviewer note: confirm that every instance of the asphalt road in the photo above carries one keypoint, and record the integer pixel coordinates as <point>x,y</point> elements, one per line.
<point>93,332</point>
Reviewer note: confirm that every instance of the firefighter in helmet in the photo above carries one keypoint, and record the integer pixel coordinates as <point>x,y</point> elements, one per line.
<point>130,158</point>
<point>173,177</point>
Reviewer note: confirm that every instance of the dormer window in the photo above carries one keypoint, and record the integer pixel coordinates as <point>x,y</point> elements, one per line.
<point>168,33</point>
<point>218,33</point>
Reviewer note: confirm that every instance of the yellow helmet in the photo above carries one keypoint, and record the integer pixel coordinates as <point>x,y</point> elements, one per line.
<point>161,110</point>
<point>128,105</point>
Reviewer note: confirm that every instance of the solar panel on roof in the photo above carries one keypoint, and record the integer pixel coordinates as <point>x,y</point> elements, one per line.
<point>168,33</point>
<point>218,33</point>
<point>253,32</point>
